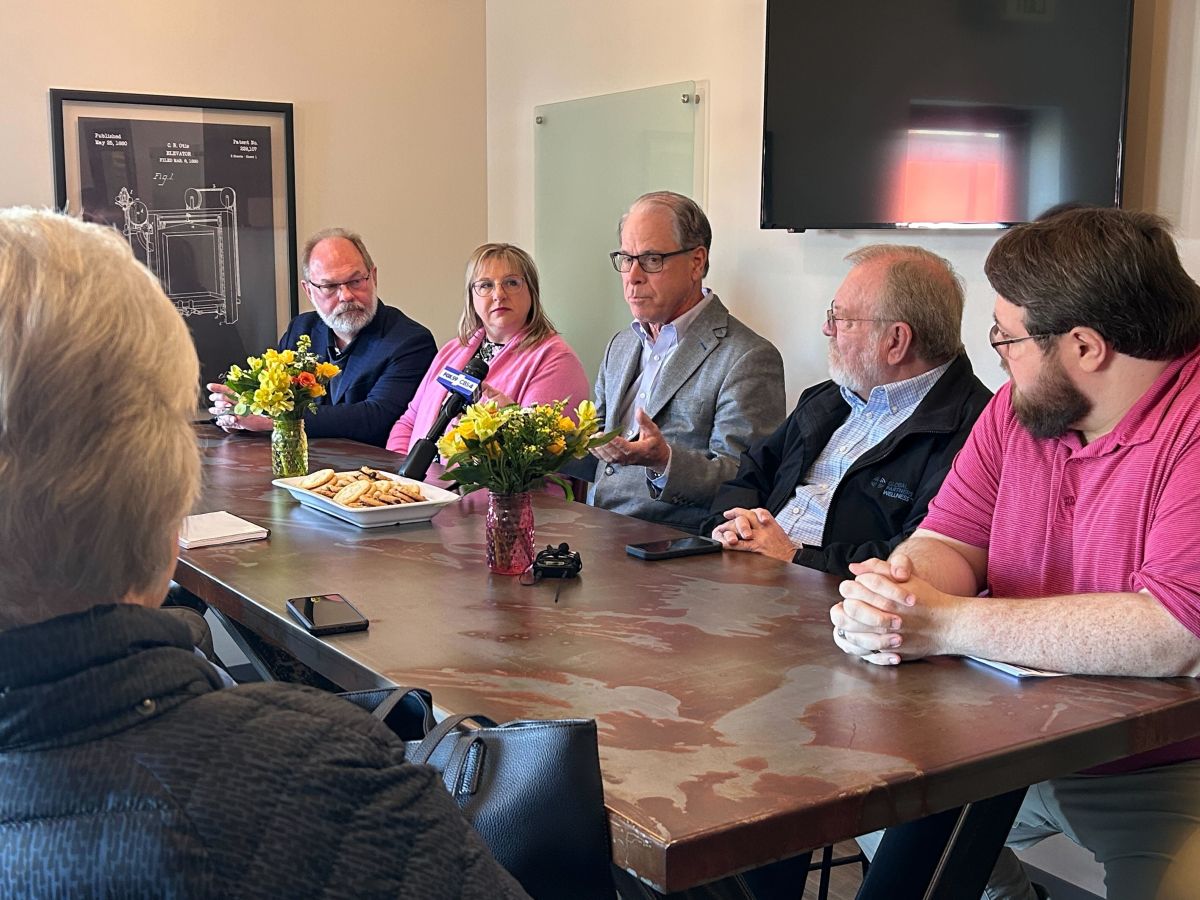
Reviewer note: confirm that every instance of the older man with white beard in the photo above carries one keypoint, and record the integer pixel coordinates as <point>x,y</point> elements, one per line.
<point>850,473</point>
<point>383,354</point>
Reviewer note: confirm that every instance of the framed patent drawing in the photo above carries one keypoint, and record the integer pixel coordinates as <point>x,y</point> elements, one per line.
<point>204,192</point>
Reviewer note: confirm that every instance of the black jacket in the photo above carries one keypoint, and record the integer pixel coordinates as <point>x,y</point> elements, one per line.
<point>379,376</point>
<point>126,771</point>
<point>884,496</point>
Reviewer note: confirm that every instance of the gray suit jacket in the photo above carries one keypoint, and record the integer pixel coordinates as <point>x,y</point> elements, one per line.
<point>720,392</point>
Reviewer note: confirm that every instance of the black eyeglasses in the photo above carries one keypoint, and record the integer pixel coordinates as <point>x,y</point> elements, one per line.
<point>997,344</point>
<point>331,288</point>
<point>650,262</point>
<point>484,287</point>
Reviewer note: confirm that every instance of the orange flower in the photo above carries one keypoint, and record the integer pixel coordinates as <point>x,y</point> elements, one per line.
<point>306,380</point>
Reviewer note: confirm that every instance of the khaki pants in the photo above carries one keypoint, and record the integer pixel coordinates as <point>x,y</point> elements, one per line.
<point>1143,827</point>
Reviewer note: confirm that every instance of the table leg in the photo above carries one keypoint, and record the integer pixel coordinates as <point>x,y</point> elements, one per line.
<point>942,857</point>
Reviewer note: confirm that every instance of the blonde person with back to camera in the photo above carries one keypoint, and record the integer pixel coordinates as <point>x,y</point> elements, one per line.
<point>127,767</point>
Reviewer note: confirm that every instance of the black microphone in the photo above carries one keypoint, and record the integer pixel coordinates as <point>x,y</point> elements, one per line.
<point>422,453</point>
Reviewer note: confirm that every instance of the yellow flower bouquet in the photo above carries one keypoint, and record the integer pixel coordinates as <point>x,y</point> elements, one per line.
<point>512,449</point>
<point>282,384</point>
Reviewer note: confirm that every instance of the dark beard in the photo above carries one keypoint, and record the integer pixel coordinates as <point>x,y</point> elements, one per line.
<point>1052,405</point>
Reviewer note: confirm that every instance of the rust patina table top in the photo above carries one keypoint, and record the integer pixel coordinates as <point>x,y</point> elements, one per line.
<point>732,731</point>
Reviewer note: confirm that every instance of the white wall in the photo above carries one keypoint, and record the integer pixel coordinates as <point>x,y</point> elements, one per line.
<point>781,283</point>
<point>389,110</point>
<point>399,135</point>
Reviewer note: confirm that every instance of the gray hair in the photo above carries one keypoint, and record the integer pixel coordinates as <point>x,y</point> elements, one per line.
<point>98,378</point>
<point>922,290</point>
<point>689,221</point>
<point>325,234</point>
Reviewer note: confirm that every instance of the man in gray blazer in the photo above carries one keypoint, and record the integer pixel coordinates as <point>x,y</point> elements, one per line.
<point>688,385</point>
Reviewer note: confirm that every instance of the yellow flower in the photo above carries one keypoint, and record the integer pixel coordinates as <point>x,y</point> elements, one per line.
<point>557,446</point>
<point>274,379</point>
<point>317,390</point>
<point>271,402</point>
<point>483,420</point>
<point>586,414</point>
<point>450,443</point>
<point>466,428</point>
<point>565,425</point>
<point>326,370</point>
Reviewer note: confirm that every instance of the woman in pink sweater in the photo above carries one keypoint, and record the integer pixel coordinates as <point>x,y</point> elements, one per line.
<point>504,324</point>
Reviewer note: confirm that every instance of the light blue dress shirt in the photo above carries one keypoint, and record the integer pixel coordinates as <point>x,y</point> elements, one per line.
<point>655,354</point>
<point>869,422</point>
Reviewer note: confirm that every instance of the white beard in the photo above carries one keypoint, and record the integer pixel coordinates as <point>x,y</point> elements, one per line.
<point>860,379</point>
<point>348,319</point>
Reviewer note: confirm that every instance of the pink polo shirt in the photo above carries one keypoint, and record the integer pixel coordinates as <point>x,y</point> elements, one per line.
<point>1058,517</point>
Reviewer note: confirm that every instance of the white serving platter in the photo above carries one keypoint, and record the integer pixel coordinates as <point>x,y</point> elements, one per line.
<point>374,516</point>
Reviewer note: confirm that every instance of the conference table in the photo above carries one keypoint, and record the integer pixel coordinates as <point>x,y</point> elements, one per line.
<point>732,731</point>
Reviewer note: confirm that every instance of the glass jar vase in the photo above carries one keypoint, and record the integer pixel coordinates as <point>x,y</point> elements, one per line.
<point>289,448</point>
<point>509,532</point>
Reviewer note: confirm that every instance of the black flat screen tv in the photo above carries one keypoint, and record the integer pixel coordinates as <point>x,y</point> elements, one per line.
<point>941,113</point>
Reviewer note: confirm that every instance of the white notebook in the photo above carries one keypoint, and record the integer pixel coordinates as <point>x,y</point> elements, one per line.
<point>206,529</point>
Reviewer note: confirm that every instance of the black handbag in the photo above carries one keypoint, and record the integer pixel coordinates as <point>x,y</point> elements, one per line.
<point>531,788</point>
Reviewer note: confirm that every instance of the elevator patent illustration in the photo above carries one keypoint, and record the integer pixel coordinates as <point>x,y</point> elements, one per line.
<point>193,251</point>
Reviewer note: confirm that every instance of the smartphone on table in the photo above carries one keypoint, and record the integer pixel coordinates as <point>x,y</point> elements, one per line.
<point>326,614</point>
<point>692,545</point>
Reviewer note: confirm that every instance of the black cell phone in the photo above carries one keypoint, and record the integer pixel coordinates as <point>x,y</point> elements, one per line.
<point>684,546</point>
<point>327,614</point>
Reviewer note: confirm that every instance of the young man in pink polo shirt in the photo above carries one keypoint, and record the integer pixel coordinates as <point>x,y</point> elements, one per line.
<point>1075,508</point>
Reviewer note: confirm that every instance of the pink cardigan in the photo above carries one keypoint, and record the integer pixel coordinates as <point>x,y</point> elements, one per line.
<point>548,371</point>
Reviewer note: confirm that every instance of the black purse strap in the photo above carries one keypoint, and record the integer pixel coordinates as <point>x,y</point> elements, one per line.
<point>464,766</point>
<point>410,707</point>
<point>384,709</point>
<point>420,754</point>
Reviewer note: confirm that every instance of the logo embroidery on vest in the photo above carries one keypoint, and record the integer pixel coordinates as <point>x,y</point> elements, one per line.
<point>895,490</point>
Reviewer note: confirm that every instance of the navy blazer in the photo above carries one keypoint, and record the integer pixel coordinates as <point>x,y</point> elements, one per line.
<point>380,373</point>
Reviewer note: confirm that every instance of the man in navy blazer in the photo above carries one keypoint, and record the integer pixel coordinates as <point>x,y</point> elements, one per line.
<point>383,353</point>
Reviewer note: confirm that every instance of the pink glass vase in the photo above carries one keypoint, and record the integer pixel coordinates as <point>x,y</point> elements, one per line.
<point>509,533</point>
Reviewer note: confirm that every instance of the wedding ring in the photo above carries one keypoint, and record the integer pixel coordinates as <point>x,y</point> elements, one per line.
<point>841,632</point>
